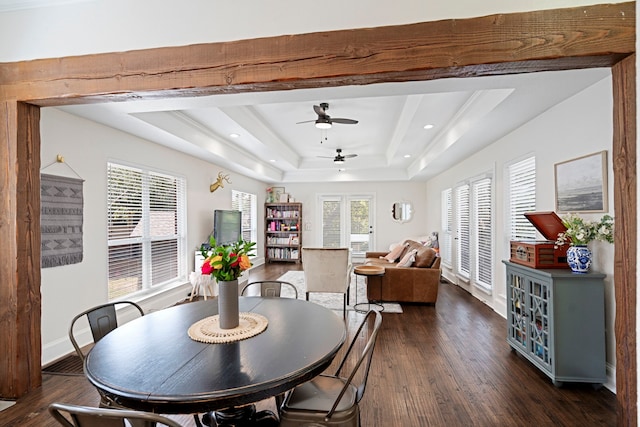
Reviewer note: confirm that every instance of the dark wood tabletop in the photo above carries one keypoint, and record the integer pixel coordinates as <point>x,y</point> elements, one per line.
<point>151,364</point>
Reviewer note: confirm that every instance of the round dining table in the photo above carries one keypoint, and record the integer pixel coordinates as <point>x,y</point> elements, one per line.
<point>152,364</point>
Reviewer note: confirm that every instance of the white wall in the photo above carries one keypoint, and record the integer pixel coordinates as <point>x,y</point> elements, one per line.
<point>86,148</point>
<point>386,230</point>
<point>120,25</point>
<point>581,125</point>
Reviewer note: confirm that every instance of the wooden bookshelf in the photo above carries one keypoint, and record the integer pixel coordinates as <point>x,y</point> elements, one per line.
<point>283,232</point>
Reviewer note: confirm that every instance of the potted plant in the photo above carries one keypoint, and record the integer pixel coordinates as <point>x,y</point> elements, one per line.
<point>579,234</point>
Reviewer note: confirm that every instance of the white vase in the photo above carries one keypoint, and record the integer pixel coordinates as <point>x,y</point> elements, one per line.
<point>229,316</point>
<point>579,258</point>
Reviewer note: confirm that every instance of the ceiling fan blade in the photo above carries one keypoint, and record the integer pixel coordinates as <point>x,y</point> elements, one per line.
<point>349,156</point>
<point>326,157</point>
<point>306,121</point>
<point>344,121</point>
<point>319,110</point>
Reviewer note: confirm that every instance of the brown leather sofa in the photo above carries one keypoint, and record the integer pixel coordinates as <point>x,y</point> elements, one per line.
<point>418,283</point>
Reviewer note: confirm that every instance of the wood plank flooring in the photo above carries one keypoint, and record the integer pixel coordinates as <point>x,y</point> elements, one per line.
<point>443,365</point>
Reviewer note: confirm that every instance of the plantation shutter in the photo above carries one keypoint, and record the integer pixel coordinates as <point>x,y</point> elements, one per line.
<point>331,223</point>
<point>522,198</point>
<point>447,227</point>
<point>247,204</point>
<point>483,224</point>
<point>463,230</point>
<point>145,212</point>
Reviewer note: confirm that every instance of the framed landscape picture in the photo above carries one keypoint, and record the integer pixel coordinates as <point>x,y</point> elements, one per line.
<point>581,184</point>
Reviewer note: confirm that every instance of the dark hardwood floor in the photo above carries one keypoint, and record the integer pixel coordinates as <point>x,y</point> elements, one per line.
<point>443,365</point>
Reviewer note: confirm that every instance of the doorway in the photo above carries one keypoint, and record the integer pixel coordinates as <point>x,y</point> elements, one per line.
<point>347,221</point>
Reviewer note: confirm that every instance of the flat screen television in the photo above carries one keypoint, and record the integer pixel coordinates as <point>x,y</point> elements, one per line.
<point>227,226</point>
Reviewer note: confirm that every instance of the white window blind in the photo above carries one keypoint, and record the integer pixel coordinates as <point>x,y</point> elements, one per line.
<point>246,203</point>
<point>447,227</point>
<point>145,227</point>
<point>463,231</point>
<point>331,223</point>
<point>522,198</point>
<point>483,224</point>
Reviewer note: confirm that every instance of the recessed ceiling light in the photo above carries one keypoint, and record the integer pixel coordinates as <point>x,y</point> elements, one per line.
<point>234,135</point>
<point>428,126</point>
<point>406,156</point>
<point>272,160</point>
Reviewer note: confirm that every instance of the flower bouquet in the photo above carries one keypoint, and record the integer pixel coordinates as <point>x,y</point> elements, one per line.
<point>226,263</point>
<point>581,232</point>
<point>578,234</point>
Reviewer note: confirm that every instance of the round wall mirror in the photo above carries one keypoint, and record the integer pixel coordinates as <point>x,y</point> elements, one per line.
<point>401,211</point>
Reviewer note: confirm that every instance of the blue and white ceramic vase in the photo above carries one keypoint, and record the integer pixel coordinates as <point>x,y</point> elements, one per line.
<point>579,258</point>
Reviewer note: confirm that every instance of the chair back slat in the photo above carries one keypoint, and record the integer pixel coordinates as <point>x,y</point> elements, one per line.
<point>102,319</point>
<point>85,416</point>
<point>270,288</point>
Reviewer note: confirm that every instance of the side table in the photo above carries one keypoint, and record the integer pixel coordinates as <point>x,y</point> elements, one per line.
<point>368,270</point>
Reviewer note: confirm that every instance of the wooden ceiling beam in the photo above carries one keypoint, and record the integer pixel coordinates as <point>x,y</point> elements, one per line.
<point>560,39</point>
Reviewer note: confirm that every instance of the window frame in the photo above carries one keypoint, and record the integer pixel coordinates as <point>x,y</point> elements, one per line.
<point>253,214</point>
<point>520,228</point>
<point>149,258</point>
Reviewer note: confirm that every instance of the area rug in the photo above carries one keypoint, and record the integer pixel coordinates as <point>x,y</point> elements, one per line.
<point>333,301</point>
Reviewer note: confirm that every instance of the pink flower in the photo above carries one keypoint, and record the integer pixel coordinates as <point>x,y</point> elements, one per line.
<point>206,267</point>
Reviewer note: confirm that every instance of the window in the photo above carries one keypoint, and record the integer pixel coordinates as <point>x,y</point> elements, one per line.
<point>331,222</point>
<point>447,227</point>
<point>522,198</point>
<point>247,204</point>
<point>483,223</point>
<point>145,227</point>
<point>464,239</point>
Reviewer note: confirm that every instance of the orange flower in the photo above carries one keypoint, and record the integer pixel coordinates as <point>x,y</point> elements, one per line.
<point>245,263</point>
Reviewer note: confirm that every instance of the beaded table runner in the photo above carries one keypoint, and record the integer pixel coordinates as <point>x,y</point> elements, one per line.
<point>208,329</point>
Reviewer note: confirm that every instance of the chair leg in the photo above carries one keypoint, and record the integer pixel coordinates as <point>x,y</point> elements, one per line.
<point>344,306</point>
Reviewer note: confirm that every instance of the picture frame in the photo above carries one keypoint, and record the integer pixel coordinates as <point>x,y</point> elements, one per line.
<point>284,198</point>
<point>581,184</point>
<point>275,194</point>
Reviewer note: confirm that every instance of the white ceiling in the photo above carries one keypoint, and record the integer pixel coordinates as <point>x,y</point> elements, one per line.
<point>11,5</point>
<point>467,114</point>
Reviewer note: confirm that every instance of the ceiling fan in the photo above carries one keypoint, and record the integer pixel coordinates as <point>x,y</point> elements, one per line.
<point>324,121</point>
<point>339,158</point>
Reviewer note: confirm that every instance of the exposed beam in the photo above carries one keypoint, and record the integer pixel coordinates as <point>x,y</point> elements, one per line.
<point>584,37</point>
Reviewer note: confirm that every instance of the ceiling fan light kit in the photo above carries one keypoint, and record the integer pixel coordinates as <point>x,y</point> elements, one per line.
<point>323,124</point>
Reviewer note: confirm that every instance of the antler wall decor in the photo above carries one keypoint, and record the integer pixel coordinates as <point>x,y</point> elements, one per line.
<point>219,182</point>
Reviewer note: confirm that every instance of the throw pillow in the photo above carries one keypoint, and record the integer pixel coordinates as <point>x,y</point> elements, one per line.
<point>394,254</point>
<point>425,257</point>
<point>408,259</point>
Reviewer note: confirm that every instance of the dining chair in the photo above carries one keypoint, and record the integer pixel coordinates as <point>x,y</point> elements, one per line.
<point>270,288</point>
<point>328,270</point>
<point>333,400</point>
<point>85,416</point>
<point>102,320</point>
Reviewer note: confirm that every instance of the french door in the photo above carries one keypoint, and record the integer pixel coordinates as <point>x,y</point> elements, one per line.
<point>347,221</point>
